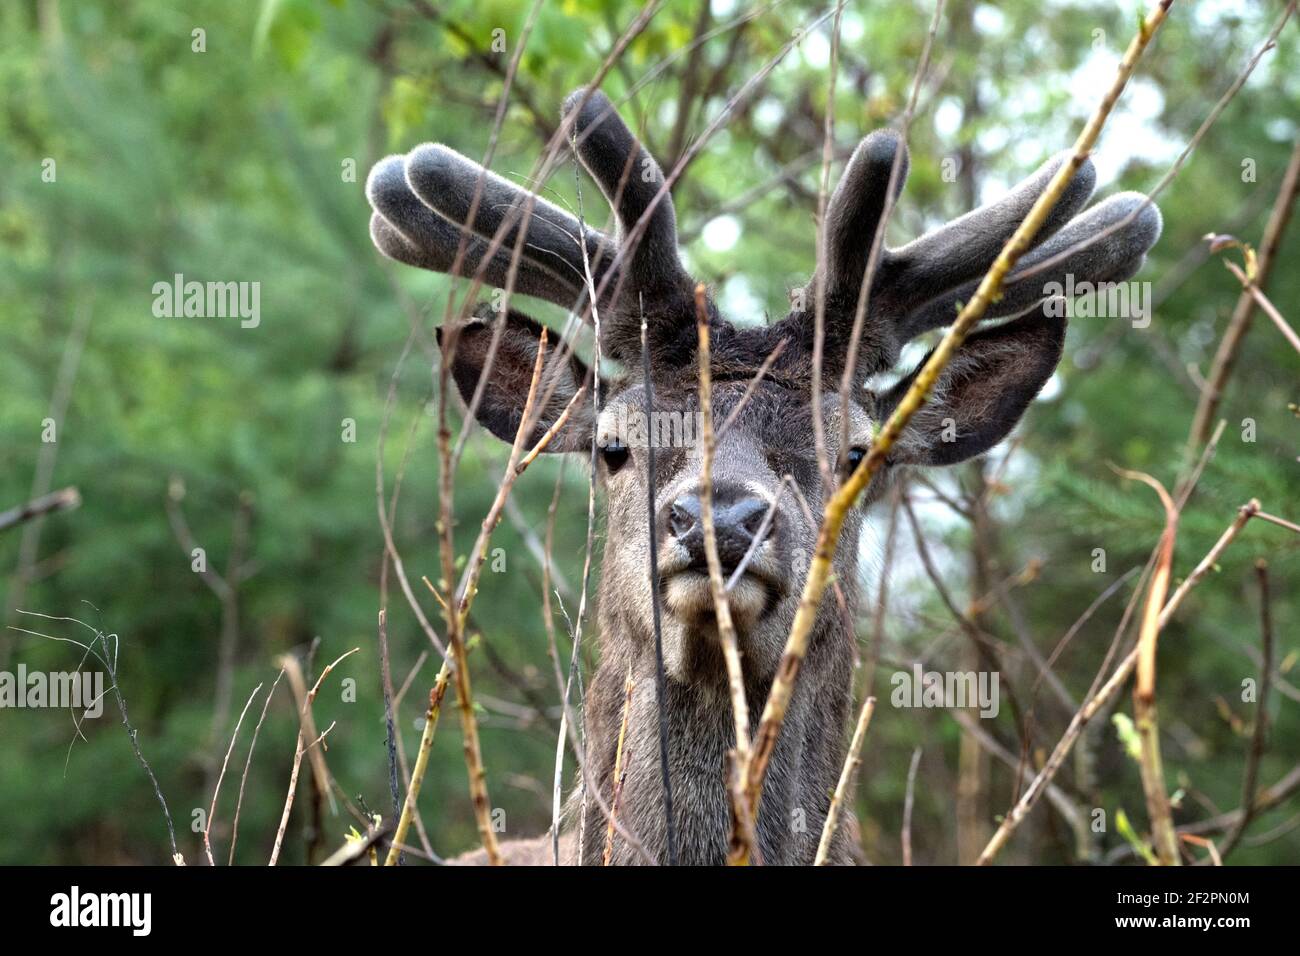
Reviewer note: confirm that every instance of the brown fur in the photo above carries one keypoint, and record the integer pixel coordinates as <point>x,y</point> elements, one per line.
<point>421,204</point>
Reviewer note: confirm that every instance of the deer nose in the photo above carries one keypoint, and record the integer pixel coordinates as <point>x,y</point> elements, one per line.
<point>683,516</point>
<point>737,521</point>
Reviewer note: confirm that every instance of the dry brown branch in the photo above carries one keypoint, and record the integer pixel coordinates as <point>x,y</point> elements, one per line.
<point>839,503</point>
<point>1264,303</point>
<point>468,589</point>
<point>851,762</point>
<point>909,798</point>
<point>1210,119</point>
<point>1215,856</point>
<point>212,810</point>
<point>754,382</point>
<point>1099,698</point>
<point>1280,522</point>
<point>447,459</point>
<point>742,841</point>
<point>302,697</point>
<point>29,544</point>
<point>617,796</point>
<point>63,500</point>
<point>431,714</point>
<point>1259,737</point>
<point>1247,511</point>
<point>291,666</point>
<point>1226,355</point>
<point>1144,693</point>
<point>355,848</point>
<point>248,762</point>
<point>878,240</point>
<point>656,612</point>
<point>1267,799</point>
<point>456,611</point>
<point>519,461</point>
<point>819,302</point>
<point>456,615</point>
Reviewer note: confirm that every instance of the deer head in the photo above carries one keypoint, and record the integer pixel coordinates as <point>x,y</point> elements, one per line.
<point>422,204</point>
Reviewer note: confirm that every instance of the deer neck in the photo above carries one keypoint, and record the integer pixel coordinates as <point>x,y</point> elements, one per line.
<point>802,772</point>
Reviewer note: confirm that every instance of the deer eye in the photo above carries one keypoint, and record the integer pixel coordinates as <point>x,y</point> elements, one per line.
<point>853,457</point>
<point>615,455</point>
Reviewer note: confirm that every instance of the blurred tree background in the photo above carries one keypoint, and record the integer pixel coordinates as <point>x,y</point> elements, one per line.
<point>135,148</point>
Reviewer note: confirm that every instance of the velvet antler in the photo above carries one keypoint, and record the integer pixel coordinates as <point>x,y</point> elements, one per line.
<point>422,202</point>
<point>919,286</point>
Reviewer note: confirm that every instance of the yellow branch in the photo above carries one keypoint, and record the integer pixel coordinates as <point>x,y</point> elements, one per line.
<point>844,497</point>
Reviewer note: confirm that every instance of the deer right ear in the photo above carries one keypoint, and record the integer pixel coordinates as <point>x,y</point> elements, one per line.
<point>982,393</point>
<point>510,373</point>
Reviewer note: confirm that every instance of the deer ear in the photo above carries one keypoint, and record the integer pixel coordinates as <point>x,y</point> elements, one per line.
<point>982,393</point>
<point>511,372</point>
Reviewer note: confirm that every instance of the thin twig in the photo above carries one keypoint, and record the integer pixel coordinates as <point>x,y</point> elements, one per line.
<point>754,382</point>
<point>354,849</point>
<point>63,500</point>
<point>838,505</point>
<point>1144,692</point>
<point>290,664</point>
<point>431,714</point>
<point>1259,738</point>
<point>819,303</point>
<point>1102,695</point>
<point>109,661</point>
<point>619,771</point>
<point>1225,356</point>
<point>742,840</point>
<point>851,763</point>
<point>849,377</point>
<point>1266,304</point>
<point>661,679</point>
<point>248,762</point>
<point>212,810</point>
<point>908,799</point>
<point>1222,103</point>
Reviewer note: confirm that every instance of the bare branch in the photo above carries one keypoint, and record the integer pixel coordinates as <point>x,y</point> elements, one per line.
<point>1259,737</point>
<point>838,505</point>
<point>63,500</point>
<point>851,763</point>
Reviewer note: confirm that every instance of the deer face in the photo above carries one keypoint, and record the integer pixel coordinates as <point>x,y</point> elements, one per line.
<point>768,492</point>
<point>767,495</point>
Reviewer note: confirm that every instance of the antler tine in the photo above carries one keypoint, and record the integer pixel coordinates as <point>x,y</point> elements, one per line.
<point>424,197</point>
<point>855,208</point>
<point>437,252</point>
<point>405,229</point>
<point>963,249</point>
<point>1115,259</point>
<point>631,181</point>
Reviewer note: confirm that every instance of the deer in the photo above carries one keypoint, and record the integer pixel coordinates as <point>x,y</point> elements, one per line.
<point>643,302</point>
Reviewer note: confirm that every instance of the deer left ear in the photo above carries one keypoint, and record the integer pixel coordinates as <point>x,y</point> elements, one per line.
<point>981,394</point>
<point>510,374</point>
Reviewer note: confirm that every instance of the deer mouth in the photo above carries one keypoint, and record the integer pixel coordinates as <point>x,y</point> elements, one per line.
<point>688,596</point>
